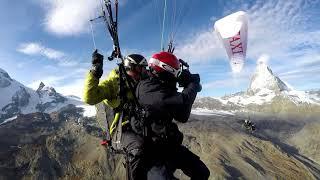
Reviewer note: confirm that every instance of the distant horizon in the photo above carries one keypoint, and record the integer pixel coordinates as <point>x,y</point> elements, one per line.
<point>199,96</point>
<point>43,41</point>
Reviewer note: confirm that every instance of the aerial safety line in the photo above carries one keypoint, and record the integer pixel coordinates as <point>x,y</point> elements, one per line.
<point>158,14</point>
<point>173,19</point>
<point>183,11</point>
<point>171,15</point>
<point>92,35</point>
<point>163,22</point>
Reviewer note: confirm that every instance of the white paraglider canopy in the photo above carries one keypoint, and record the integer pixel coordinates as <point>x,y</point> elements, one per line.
<point>232,31</point>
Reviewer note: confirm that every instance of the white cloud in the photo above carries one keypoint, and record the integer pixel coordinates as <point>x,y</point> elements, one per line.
<point>34,48</point>
<point>70,17</point>
<point>65,76</point>
<point>52,54</point>
<point>279,29</point>
<point>302,73</point>
<point>68,64</point>
<point>275,28</point>
<point>30,48</point>
<point>263,59</point>
<point>48,81</point>
<point>202,46</point>
<point>228,82</point>
<point>74,88</point>
<point>285,30</point>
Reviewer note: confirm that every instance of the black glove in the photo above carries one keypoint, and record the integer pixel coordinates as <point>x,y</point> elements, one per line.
<point>97,64</point>
<point>195,78</point>
<point>184,78</point>
<point>97,57</point>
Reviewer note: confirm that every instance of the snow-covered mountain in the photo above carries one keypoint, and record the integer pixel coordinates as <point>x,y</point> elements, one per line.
<point>264,89</point>
<point>15,98</point>
<point>264,79</point>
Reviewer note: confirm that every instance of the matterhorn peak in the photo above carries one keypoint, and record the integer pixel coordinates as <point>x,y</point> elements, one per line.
<point>264,79</point>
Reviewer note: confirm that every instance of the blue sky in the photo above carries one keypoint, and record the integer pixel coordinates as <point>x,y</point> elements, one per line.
<point>50,40</point>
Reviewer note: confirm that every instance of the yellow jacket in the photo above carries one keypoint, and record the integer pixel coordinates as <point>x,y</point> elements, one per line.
<point>107,90</point>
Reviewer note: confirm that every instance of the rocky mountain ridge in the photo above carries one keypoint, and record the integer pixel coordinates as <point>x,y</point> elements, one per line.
<point>56,145</point>
<point>266,93</point>
<point>264,78</point>
<point>18,99</point>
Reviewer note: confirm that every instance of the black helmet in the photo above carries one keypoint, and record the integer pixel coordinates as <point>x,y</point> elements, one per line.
<point>134,60</point>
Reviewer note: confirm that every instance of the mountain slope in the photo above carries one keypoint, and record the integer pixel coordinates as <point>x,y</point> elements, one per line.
<point>232,153</point>
<point>18,99</point>
<point>266,93</point>
<point>59,146</point>
<point>56,146</point>
<point>264,78</point>
<point>43,146</point>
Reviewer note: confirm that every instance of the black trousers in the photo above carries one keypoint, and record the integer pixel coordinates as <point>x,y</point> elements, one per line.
<point>144,154</point>
<point>182,158</point>
<point>178,157</point>
<point>134,145</point>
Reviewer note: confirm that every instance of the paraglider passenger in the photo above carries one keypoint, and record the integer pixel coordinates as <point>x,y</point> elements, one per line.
<point>158,95</point>
<point>107,91</point>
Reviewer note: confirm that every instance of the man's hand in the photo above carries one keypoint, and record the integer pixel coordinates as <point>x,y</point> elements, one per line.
<point>97,64</point>
<point>184,78</point>
<point>195,78</point>
<point>97,57</point>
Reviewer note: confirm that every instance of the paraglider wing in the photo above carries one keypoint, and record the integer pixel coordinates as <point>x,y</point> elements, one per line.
<point>232,31</point>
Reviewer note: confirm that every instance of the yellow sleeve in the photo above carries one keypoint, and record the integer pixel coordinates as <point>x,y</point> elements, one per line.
<point>95,92</point>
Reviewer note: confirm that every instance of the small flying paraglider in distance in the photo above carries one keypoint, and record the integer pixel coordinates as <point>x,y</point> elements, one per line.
<point>232,31</point>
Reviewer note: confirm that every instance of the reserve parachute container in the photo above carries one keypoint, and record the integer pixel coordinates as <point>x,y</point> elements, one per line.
<point>232,31</point>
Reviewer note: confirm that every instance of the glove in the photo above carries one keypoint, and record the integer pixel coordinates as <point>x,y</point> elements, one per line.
<point>97,57</point>
<point>199,87</point>
<point>97,64</point>
<point>195,78</point>
<point>184,78</point>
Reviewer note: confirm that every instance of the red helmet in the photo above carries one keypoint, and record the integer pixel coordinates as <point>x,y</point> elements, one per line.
<point>165,62</point>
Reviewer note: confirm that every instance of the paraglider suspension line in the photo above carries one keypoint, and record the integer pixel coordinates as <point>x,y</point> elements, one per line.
<point>163,22</point>
<point>92,35</point>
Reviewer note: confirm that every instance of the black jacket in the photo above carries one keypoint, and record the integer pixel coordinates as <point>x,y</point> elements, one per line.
<point>163,103</point>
